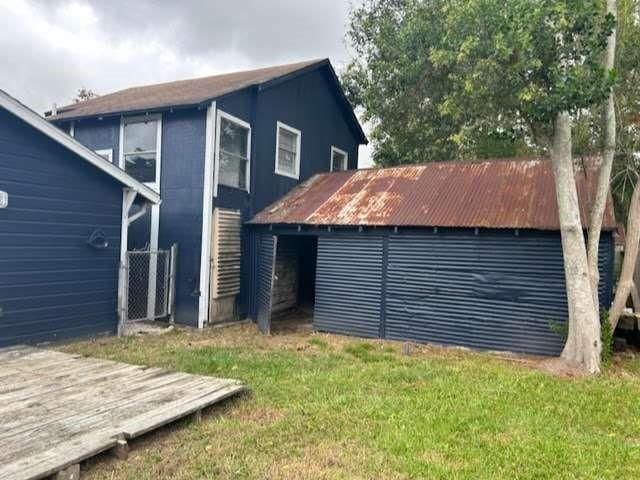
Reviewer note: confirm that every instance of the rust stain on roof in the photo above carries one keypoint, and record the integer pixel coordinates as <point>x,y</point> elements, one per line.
<point>491,194</point>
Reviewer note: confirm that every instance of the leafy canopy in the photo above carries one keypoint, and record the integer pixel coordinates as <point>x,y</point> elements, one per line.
<point>442,79</point>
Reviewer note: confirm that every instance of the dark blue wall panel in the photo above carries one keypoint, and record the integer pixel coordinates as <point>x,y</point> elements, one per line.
<point>308,104</point>
<point>494,290</point>
<point>183,144</point>
<point>349,285</point>
<point>98,134</point>
<point>52,284</point>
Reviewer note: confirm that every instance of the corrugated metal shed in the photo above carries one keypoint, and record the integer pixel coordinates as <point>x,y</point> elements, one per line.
<point>491,194</point>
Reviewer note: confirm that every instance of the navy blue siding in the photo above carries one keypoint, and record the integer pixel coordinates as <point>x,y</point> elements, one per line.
<point>489,291</point>
<point>52,284</point>
<point>98,134</point>
<point>183,144</point>
<point>349,285</point>
<point>310,105</point>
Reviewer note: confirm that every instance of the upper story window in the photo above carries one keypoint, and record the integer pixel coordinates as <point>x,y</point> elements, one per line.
<point>233,151</point>
<point>140,144</point>
<point>288,151</point>
<point>339,159</point>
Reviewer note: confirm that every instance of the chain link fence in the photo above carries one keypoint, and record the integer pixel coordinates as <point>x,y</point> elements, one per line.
<point>148,283</point>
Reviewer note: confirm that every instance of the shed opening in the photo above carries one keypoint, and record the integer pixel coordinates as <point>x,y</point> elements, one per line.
<point>294,278</point>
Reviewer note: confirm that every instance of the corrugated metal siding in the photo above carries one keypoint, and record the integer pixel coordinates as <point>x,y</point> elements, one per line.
<point>490,292</point>
<point>266,251</point>
<point>52,284</point>
<point>349,285</point>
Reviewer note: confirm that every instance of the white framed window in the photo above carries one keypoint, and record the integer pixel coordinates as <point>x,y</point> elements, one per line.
<point>339,159</point>
<point>106,153</point>
<point>233,151</point>
<point>288,140</point>
<point>140,141</point>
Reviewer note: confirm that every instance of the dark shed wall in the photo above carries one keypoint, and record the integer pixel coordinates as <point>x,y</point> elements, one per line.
<point>491,291</point>
<point>309,104</point>
<point>52,284</point>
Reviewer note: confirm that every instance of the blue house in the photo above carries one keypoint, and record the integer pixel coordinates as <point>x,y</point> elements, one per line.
<point>218,150</point>
<point>64,218</point>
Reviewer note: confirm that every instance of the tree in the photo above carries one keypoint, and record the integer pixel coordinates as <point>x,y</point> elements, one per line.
<point>402,88</point>
<point>523,65</point>
<point>84,94</point>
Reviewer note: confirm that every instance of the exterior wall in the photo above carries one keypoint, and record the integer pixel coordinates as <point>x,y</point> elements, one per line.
<point>494,290</point>
<point>181,185</point>
<point>98,134</point>
<point>52,284</point>
<point>306,102</point>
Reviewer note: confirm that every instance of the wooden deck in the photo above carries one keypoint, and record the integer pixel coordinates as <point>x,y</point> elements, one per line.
<point>58,409</point>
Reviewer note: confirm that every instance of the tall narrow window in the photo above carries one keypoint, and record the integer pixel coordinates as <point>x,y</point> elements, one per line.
<point>233,151</point>
<point>288,151</point>
<point>140,148</point>
<point>339,159</point>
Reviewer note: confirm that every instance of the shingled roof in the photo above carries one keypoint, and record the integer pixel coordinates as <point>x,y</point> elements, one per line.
<point>491,194</point>
<point>196,92</point>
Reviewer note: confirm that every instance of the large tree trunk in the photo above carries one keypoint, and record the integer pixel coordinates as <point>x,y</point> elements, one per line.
<point>604,176</point>
<point>632,240</point>
<point>583,340</point>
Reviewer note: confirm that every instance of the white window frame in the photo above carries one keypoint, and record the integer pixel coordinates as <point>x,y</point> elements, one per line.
<point>230,118</point>
<point>106,152</point>
<point>343,152</point>
<point>298,133</point>
<point>139,119</point>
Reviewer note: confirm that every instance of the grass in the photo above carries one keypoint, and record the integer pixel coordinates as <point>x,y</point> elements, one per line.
<point>323,406</point>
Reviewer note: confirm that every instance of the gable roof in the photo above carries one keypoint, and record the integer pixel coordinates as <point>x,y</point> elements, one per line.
<point>24,113</point>
<point>490,194</point>
<point>197,92</point>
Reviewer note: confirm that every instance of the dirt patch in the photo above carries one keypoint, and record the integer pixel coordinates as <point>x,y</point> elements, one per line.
<point>329,460</point>
<point>259,415</point>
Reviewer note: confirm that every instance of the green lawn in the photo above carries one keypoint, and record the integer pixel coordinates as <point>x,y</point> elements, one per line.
<point>323,406</point>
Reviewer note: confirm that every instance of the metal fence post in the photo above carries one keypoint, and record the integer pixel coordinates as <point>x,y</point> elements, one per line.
<point>172,283</point>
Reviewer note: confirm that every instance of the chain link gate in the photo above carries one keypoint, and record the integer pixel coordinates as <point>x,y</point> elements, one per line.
<point>150,284</point>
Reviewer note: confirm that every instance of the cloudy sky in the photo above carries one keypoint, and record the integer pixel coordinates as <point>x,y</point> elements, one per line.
<point>50,48</point>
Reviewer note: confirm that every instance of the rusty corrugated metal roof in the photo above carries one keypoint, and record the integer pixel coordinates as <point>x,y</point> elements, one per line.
<point>491,194</point>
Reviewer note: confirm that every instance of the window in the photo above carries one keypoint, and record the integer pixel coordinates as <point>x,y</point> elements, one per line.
<point>288,151</point>
<point>140,144</point>
<point>339,159</point>
<point>233,151</point>
<point>107,154</point>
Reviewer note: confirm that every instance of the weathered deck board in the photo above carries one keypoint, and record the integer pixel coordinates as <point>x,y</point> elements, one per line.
<point>57,409</point>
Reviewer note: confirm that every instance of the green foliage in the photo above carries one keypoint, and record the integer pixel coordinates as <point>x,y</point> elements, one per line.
<point>443,79</point>
<point>560,328</point>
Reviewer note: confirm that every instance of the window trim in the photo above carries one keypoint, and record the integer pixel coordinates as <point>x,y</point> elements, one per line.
<point>106,152</point>
<point>298,133</point>
<point>124,120</point>
<point>343,152</point>
<point>216,158</point>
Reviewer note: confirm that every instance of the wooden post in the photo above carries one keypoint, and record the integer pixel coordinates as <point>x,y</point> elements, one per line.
<point>72,472</point>
<point>121,450</point>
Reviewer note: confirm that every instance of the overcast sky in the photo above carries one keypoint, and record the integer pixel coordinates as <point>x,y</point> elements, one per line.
<point>50,48</point>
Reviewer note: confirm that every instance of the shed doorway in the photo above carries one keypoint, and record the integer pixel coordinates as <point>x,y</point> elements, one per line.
<point>287,280</point>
